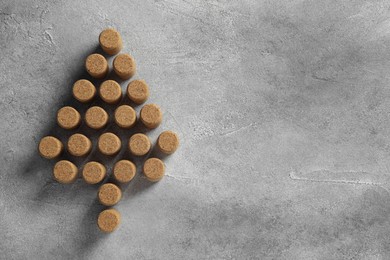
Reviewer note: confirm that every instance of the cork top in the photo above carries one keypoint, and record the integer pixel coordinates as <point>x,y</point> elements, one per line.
<point>83,90</point>
<point>124,66</point>
<point>50,147</point>
<point>110,40</point>
<point>151,115</point>
<point>125,116</point>
<point>96,65</point>
<point>110,91</point>
<point>109,194</point>
<point>109,144</point>
<point>124,171</point>
<point>65,172</point>
<point>79,145</point>
<point>96,117</point>
<point>93,172</point>
<point>138,91</point>
<point>68,118</point>
<point>108,220</point>
<point>154,169</point>
<point>139,144</point>
<point>168,142</point>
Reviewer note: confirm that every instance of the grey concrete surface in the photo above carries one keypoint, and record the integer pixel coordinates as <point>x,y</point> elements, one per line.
<point>283,109</point>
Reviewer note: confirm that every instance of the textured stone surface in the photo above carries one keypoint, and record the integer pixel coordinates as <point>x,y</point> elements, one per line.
<point>282,107</point>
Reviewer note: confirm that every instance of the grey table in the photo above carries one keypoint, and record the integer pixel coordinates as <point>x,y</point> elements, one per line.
<point>282,107</point>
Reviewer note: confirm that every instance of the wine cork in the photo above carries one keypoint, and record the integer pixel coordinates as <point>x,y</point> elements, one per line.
<point>68,118</point>
<point>110,91</point>
<point>96,66</point>
<point>138,91</point>
<point>151,115</point>
<point>109,220</point>
<point>125,116</point>
<point>124,66</point>
<point>109,194</point>
<point>83,90</point>
<point>139,144</point>
<point>124,171</point>
<point>79,145</point>
<point>154,169</point>
<point>65,172</point>
<point>109,144</point>
<point>93,172</point>
<point>111,42</point>
<point>96,117</point>
<point>50,147</point>
<point>168,142</point>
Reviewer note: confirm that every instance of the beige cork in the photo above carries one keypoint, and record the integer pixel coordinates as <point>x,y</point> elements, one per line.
<point>109,144</point>
<point>93,172</point>
<point>125,116</point>
<point>138,91</point>
<point>124,66</point>
<point>83,90</point>
<point>109,220</point>
<point>111,42</point>
<point>139,144</point>
<point>168,142</point>
<point>65,172</point>
<point>68,118</point>
<point>96,117</point>
<point>96,65</point>
<point>79,145</point>
<point>110,91</point>
<point>50,147</point>
<point>151,115</point>
<point>109,194</point>
<point>124,171</point>
<point>154,169</point>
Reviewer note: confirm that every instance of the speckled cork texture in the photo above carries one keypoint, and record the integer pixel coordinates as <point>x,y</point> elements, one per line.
<point>154,169</point>
<point>138,91</point>
<point>50,147</point>
<point>93,172</point>
<point>96,66</point>
<point>109,194</point>
<point>109,144</point>
<point>124,171</point>
<point>68,118</point>
<point>168,142</point>
<point>65,172</point>
<point>139,144</point>
<point>96,117</point>
<point>111,41</point>
<point>79,145</point>
<point>109,220</point>
<point>110,91</point>
<point>151,115</point>
<point>125,116</point>
<point>124,66</point>
<point>83,90</point>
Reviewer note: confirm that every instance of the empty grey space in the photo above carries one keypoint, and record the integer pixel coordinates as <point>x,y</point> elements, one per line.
<point>282,108</point>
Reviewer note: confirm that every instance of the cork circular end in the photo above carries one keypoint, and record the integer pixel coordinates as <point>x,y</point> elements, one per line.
<point>125,116</point>
<point>124,171</point>
<point>110,40</point>
<point>109,220</point>
<point>65,172</point>
<point>110,91</point>
<point>68,118</point>
<point>96,66</point>
<point>93,172</point>
<point>109,194</point>
<point>151,115</point>
<point>96,117</point>
<point>79,145</point>
<point>168,142</point>
<point>109,144</point>
<point>139,144</point>
<point>50,147</point>
<point>124,66</point>
<point>154,169</point>
<point>83,90</point>
<point>138,91</point>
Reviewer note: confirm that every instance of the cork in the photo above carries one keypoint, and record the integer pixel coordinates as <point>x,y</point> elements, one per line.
<point>96,117</point>
<point>96,65</point>
<point>168,142</point>
<point>68,118</point>
<point>125,116</point>
<point>138,91</point>
<point>109,220</point>
<point>109,144</point>
<point>124,66</point>
<point>139,144</point>
<point>65,172</point>
<point>110,91</point>
<point>83,90</point>
<point>93,172</point>
<point>154,169</point>
<point>79,145</point>
<point>124,171</point>
<point>50,147</point>
<point>111,41</point>
<point>151,115</point>
<point>109,194</point>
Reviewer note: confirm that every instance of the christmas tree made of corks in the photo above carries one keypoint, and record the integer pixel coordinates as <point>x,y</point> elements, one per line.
<point>109,144</point>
